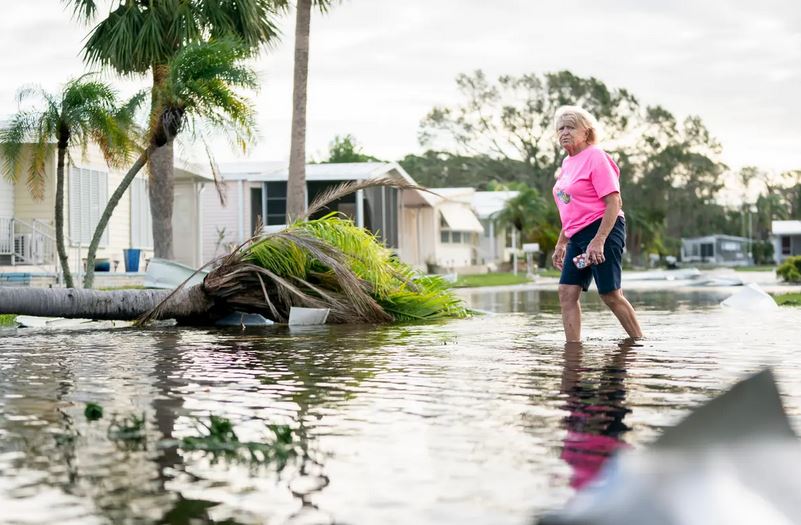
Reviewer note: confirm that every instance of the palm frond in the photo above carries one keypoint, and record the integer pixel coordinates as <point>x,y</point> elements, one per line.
<point>346,188</point>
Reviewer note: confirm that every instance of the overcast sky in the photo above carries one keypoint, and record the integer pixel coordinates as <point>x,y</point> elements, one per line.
<point>378,66</point>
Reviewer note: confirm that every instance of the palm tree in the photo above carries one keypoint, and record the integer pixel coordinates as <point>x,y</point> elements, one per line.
<point>296,184</point>
<point>198,88</point>
<point>327,263</point>
<point>530,214</point>
<point>143,36</point>
<point>85,110</point>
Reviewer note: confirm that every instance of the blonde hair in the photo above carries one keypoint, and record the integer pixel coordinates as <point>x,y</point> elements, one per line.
<point>581,117</point>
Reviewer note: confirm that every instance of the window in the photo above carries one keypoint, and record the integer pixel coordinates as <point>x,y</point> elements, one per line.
<point>276,203</point>
<point>786,245</point>
<point>88,195</point>
<point>141,220</point>
<point>707,249</point>
<point>452,237</point>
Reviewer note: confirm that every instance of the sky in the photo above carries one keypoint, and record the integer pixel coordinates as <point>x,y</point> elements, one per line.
<point>377,67</point>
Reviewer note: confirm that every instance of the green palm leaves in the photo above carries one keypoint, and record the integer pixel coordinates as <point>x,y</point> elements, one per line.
<point>328,263</point>
<point>135,36</point>
<point>85,110</point>
<point>201,85</point>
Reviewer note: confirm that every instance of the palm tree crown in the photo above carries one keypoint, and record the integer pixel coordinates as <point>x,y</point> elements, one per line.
<point>85,111</point>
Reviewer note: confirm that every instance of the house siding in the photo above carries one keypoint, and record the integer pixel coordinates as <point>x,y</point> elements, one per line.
<point>6,197</point>
<point>219,219</point>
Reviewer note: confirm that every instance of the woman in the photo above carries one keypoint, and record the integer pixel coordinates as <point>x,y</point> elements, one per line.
<point>587,194</point>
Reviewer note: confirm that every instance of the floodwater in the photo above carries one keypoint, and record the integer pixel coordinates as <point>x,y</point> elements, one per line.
<point>476,421</point>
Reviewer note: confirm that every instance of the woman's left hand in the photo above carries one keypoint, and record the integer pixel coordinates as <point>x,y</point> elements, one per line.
<point>595,251</point>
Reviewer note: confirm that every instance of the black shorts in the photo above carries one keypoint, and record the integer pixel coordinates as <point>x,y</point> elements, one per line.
<point>606,274</point>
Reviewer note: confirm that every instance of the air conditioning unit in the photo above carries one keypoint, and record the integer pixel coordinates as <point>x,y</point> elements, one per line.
<point>30,247</point>
<point>22,246</point>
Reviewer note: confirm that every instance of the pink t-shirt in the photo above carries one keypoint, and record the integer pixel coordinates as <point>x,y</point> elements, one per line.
<point>584,181</point>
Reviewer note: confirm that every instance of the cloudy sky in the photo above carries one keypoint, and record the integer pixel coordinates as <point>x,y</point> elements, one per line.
<point>378,66</point>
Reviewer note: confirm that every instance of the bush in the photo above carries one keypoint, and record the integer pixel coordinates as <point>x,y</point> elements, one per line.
<point>790,270</point>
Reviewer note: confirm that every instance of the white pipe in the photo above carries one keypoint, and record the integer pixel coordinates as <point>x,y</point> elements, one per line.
<point>199,211</point>
<point>241,211</point>
<point>360,208</point>
<point>514,251</point>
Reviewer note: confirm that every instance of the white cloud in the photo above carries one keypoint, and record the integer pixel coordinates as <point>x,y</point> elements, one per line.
<point>378,66</point>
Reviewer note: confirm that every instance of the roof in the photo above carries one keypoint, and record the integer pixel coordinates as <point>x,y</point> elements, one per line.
<point>786,227</point>
<point>278,171</point>
<point>261,171</point>
<point>710,238</point>
<point>187,170</point>
<point>455,194</point>
<point>488,203</point>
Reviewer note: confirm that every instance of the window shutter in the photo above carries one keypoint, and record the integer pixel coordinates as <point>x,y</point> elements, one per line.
<point>75,204</point>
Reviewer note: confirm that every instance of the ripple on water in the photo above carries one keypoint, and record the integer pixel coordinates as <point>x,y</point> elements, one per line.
<point>484,420</point>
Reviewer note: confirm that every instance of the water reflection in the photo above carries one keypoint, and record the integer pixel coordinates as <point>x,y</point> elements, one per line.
<point>547,301</point>
<point>483,420</point>
<point>596,409</point>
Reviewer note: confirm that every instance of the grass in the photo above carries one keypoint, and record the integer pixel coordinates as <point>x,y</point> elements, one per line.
<point>758,268</point>
<point>8,320</point>
<point>490,279</point>
<point>788,299</point>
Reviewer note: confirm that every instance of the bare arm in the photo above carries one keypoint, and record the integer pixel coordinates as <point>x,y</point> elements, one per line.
<point>595,250</point>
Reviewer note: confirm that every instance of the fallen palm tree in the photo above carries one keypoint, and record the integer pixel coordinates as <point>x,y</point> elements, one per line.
<point>318,263</point>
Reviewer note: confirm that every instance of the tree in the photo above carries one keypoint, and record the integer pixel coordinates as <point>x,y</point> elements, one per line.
<point>322,263</point>
<point>671,170</point>
<point>143,36</point>
<point>85,110</point>
<point>346,149</point>
<point>444,169</point>
<point>296,184</point>
<point>199,87</point>
<point>513,118</point>
<point>534,217</point>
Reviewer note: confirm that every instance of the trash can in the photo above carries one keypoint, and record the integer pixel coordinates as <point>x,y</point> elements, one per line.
<point>130,257</point>
<point>102,265</point>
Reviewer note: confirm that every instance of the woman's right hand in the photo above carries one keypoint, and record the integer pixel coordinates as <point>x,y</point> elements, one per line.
<point>558,256</point>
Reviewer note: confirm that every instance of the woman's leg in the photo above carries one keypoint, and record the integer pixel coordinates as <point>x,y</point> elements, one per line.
<point>624,312</point>
<point>569,296</point>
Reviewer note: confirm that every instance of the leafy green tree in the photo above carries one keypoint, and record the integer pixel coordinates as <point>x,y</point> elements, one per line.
<point>85,110</point>
<point>346,149</point>
<point>144,36</point>
<point>671,169</point>
<point>534,217</point>
<point>445,169</point>
<point>199,89</point>
<point>513,118</point>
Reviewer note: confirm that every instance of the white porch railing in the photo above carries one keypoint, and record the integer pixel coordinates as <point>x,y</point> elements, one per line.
<point>6,236</point>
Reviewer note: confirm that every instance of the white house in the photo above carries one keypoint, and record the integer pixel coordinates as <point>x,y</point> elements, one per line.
<point>449,231</point>
<point>786,239</point>
<point>495,245</point>
<point>256,194</point>
<point>726,250</point>
<point>427,231</point>
<point>27,225</point>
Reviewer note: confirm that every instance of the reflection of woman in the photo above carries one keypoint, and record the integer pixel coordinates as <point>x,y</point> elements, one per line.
<point>587,194</point>
<point>595,413</point>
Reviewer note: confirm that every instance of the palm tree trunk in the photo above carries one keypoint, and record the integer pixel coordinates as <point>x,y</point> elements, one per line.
<point>63,257</point>
<point>89,277</point>
<point>161,165</point>
<point>189,304</point>
<point>296,184</point>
